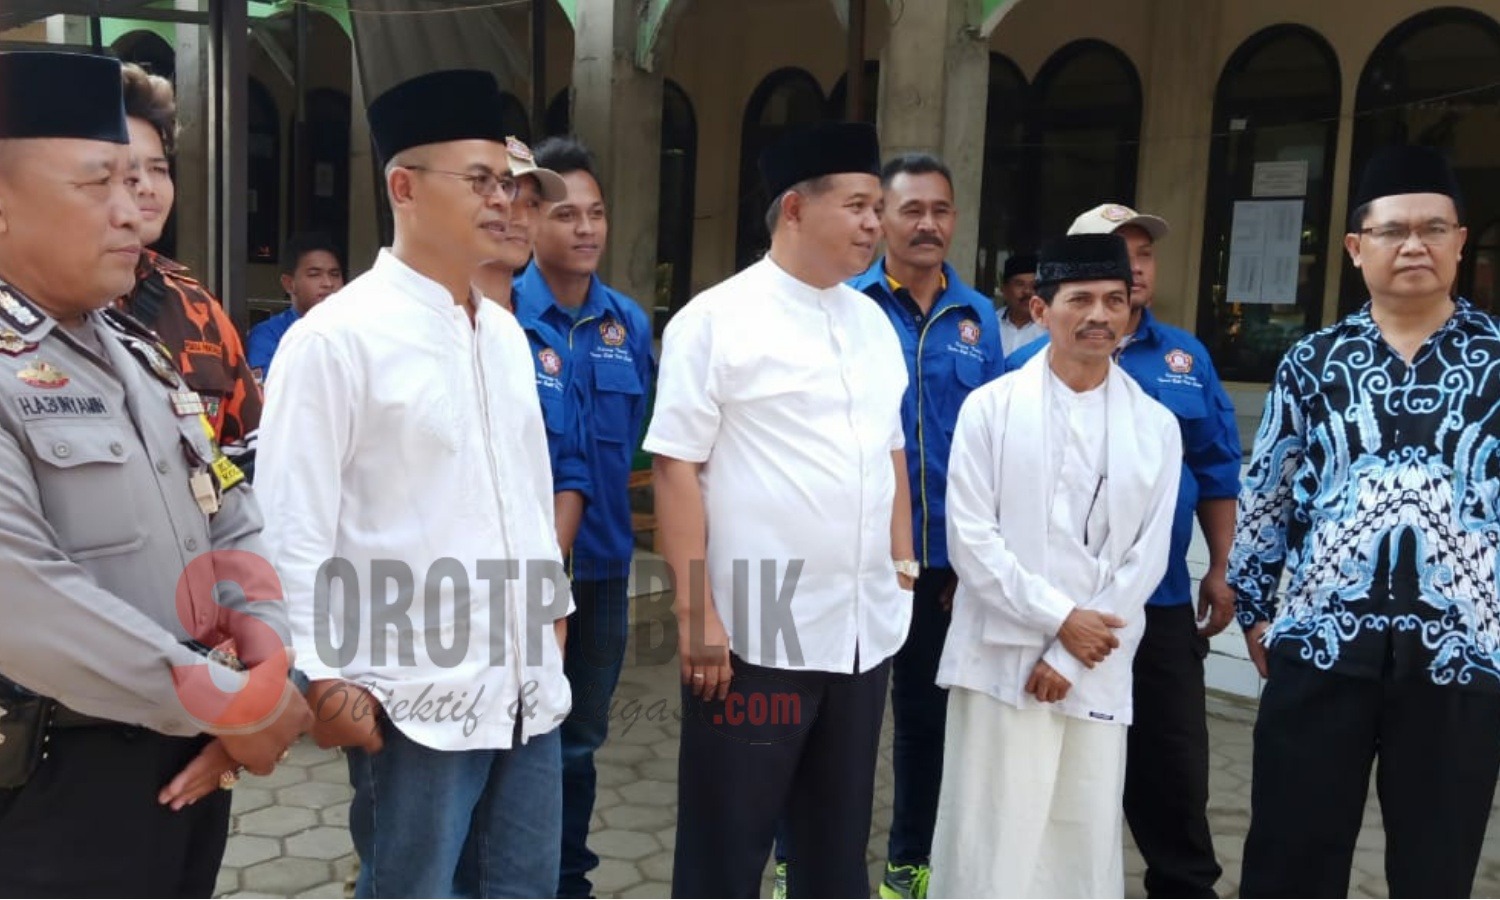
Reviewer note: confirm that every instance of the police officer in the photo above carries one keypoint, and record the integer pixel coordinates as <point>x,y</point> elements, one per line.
<point>1166,770</point>
<point>951,340</point>
<point>114,735</point>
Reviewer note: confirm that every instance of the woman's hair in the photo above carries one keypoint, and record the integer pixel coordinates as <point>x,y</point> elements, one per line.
<point>150,98</point>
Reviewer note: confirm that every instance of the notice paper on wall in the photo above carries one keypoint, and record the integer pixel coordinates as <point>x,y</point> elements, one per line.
<point>1265,251</point>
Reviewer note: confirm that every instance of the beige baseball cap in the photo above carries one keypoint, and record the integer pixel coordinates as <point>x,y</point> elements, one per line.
<point>522,163</point>
<point>1107,218</point>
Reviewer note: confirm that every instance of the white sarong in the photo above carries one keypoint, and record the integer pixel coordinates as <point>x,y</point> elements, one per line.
<point>1030,803</point>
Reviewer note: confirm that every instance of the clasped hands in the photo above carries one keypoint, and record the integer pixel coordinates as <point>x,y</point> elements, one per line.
<point>1090,637</point>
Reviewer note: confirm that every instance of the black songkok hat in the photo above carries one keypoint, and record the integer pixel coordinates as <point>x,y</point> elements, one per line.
<point>1018,264</point>
<point>811,151</point>
<point>1407,169</point>
<point>448,105</point>
<point>45,94</point>
<point>1083,257</point>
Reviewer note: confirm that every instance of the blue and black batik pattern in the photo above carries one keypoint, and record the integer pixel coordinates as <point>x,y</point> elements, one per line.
<point>1374,485</point>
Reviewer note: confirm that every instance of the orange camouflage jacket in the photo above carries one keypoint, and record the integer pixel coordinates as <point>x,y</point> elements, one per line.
<point>203,339</point>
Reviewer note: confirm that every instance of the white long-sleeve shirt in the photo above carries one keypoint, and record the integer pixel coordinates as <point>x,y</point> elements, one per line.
<point>790,396</point>
<point>406,443</point>
<point>1015,534</point>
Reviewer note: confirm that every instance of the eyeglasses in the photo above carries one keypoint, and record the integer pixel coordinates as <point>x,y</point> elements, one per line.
<point>1432,233</point>
<point>485,184</point>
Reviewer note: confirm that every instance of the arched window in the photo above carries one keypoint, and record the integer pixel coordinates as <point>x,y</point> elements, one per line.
<point>263,226</point>
<point>1265,244</point>
<point>327,200</point>
<point>784,98</point>
<point>559,116</point>
<point>1084,134</point>
<point>1433,81</point>
<point>869,103</point>
<point>513,116</point>
<point>1002,192</point>
<point>674,216</point>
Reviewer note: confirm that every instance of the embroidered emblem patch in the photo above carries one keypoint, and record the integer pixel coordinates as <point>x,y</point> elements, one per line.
<point>551,362</point>
<point>1117,213</point>
<point>515,148</point>
<point>968,332</point>
<point>613,333</point>
<point>12,344</point>
<point>42,374</point>
<point>1180,361</point>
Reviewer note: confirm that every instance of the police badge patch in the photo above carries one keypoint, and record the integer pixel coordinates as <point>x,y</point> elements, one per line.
<point>1180,361</point>
<point>41,374</point>
<point>968,332</point>
<point>613,333</point>
<point>12,344</point>
<point>551,362</point>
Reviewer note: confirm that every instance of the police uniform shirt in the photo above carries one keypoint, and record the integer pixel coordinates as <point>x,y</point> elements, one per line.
<point>99,439</point>
<point>791,397</point>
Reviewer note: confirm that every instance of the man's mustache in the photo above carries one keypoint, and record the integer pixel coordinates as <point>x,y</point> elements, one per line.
<point>921,239</point>
<point>1103,331</point>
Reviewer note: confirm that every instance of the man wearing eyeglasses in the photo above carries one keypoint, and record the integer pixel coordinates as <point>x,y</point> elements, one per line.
<point>1375,483</point>
<point>409,501</point>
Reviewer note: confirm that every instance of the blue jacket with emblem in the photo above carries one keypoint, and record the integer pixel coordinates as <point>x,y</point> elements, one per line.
<point>955,349</point>
<point>608,350</point>
<point>1173,367</point>
<point>561,396</point>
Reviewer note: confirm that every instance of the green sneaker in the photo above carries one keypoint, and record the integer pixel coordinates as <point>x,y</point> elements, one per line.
<point>905,882</point>
<point>778,885</point>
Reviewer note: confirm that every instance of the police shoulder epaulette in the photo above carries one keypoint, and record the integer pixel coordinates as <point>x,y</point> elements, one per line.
<point>21,315</point>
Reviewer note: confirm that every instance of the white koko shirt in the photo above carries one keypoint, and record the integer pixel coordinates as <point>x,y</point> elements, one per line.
<point>408,443</point>
<point>791,397</point>
<point>1026,462</point>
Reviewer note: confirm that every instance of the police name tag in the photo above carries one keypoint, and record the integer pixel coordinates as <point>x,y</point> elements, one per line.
<point>187,403</point>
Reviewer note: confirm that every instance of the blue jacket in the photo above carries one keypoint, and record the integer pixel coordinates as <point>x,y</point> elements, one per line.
<point>562,402</point>
<point>952,352</point>
<point>608,348</point>
<point>1174,369</point>
<point>263,339</point>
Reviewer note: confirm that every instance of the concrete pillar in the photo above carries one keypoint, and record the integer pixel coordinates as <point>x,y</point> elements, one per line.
<point>1178,84</point>
<point>194,181</point>
<point>616,111</point>
<point>66,29</point>
<point>934,84</point>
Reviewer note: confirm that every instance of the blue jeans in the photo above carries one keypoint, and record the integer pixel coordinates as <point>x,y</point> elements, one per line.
<point>456,823</point>
<point>597,633</point>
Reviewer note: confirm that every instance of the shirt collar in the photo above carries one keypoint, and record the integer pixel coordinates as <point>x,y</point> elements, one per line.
<point>410,281</point>
<point>532,294</point>
<point>1464,315</point>
<point>793,287</point>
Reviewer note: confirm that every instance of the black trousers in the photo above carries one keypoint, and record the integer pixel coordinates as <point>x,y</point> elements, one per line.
<point>799,747</point>
<point>88,824</point>
<point>920,712</point>
<point>1316,738</point>
<point>1166,762</point>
